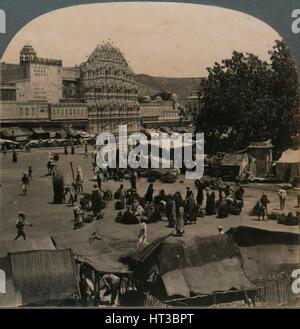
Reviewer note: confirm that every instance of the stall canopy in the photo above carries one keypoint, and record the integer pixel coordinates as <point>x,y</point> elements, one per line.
<point>237,261</point>
<point>40,132</point>
<point>193,266</point>
<point>16,133</point>
<point>288,166</point>
<point>232,164</point>
<point>266,252</point>
<point>96,253</point>
<point>72,132</point>
<point>7,142</point>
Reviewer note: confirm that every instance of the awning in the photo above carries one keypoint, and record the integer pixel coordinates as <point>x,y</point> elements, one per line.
<point>15,132</point>
<point>7,141</point>
<point>83,134</point>
<point>21,138</point>
<point>39,131</point>
<point>290,156</point>
<point>166,130</point>
<point>72,132</point>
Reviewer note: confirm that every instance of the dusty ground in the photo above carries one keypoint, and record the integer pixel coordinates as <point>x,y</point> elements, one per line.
<point>49,219</point>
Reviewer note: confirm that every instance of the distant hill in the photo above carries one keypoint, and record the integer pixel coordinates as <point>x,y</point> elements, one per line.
<point>182,87</point>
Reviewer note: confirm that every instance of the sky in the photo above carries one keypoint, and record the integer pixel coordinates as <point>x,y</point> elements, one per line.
<point>159,39</point>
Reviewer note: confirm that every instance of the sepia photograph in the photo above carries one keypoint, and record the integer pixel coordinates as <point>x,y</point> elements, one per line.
<point>150,158</point>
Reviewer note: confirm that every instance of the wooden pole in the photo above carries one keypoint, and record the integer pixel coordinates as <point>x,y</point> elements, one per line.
<point>72,170</point>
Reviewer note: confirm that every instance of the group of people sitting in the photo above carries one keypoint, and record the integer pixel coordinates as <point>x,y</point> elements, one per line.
<point>177,210</point>
<point>290,219</point>
<point>230,199</point>
<point>149,208</point>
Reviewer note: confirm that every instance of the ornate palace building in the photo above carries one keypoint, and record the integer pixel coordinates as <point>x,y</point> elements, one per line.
<point>109,88</point>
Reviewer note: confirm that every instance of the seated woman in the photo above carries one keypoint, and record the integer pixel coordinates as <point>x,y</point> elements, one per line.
<point>133,215</point>
<point>222,209</point>
<point>210,208</point>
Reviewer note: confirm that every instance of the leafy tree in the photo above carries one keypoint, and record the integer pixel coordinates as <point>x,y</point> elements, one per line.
<point>246,99</point>
<point>286,95</point>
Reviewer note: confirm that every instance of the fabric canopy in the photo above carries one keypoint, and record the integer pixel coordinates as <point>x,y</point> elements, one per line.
<point>290,156</point>
<point>15,132</point>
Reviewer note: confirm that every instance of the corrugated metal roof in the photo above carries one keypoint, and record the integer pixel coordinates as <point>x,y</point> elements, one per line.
<point>43,276</point>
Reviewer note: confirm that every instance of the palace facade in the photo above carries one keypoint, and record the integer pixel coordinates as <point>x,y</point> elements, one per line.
<point>110,90</point>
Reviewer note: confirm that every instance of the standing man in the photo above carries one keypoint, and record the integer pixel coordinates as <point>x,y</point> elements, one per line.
<point>25,182</point>
<point>149,193</point>
<point>86,151</point>
<point>20,225</point>
<point>105,175</point>
<point>171,210</point>
<point>261,210</point>
<point>79,179</point>
<point>179,226</point>
<point>96,200</point>
<point>133,181</point>
<point>264,202</point>
<point>142,236</point>
<point>99,182</point>
<point>30,171</point>
<point>200,194</point>
<point>282,198</point>
<point>14,156</point>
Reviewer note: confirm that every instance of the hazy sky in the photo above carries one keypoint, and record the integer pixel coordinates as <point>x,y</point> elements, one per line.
<point>161,39</point>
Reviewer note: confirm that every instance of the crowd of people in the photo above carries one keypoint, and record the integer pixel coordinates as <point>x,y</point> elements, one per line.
<point>206,198</point>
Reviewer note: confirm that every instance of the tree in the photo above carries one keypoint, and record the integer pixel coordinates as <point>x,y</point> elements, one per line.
<point>286,95</point>
<point>246,99</point>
